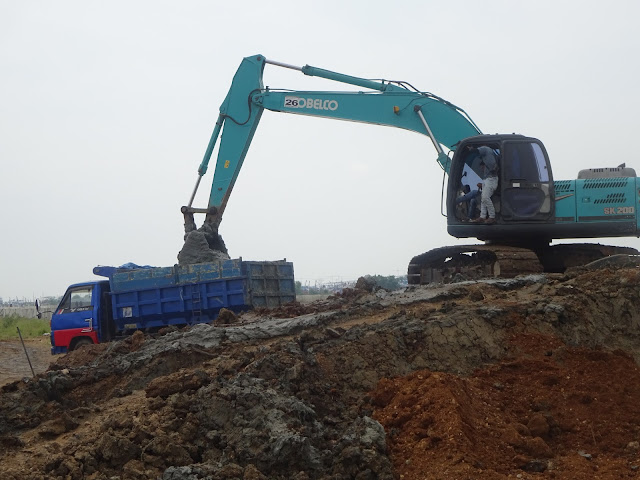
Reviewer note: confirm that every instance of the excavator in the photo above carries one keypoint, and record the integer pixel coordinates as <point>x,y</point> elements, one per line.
<point>532,208</point>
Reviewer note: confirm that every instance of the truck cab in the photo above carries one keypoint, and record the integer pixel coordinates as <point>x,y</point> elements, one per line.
<point>82,317</point>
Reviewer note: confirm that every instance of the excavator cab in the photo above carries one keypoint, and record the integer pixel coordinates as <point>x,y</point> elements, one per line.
<point>525,193</point>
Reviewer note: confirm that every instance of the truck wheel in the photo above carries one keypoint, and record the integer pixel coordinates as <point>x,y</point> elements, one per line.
<point>81,341</point>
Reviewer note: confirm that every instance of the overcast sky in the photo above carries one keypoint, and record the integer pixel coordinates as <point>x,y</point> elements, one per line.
<point>106,109</point>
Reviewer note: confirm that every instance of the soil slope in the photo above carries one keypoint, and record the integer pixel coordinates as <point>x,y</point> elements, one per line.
<point>534,377</point>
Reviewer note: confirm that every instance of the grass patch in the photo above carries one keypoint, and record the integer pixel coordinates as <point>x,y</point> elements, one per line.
<point>29,327</point>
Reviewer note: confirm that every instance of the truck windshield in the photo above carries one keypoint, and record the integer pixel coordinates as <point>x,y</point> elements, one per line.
<point>77,299</point>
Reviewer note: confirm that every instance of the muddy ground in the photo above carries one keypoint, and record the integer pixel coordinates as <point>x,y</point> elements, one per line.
<point>530,378</point>
<point>14,364</point>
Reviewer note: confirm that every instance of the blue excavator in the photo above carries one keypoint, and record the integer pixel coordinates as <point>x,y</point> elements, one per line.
<point>532,208</point>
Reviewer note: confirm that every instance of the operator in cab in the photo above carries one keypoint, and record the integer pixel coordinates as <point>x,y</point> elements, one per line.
<point>489,163</point>
<point>467,203</point>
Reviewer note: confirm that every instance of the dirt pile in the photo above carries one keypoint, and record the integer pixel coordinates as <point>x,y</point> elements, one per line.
<point>550,408</point>
<point>534,377</point>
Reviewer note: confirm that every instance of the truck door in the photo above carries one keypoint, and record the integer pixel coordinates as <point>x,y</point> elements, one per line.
<point>76,316</point>
<point>526,184</point>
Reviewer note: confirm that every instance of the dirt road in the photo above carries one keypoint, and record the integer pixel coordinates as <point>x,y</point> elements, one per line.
<point>13,361</point>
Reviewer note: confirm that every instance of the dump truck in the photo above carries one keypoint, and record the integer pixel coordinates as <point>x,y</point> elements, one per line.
<point>150,298</point>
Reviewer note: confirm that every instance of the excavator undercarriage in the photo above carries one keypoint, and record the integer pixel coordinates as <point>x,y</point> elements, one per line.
<point>471,262</point>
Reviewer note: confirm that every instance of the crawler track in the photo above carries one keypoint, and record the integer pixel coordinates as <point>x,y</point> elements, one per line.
<point>468,262</point>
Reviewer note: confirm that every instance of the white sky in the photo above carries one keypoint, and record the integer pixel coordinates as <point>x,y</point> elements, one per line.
<point>106,109</point>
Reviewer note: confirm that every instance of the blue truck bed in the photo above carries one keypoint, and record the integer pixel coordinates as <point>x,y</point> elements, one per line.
<point>146,297</point>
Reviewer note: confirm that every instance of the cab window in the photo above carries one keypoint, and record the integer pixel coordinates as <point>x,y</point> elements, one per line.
<point>525,162</point>
<point>76,300</point>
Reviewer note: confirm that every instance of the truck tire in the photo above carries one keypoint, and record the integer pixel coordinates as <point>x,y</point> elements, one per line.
<point>81,341</point>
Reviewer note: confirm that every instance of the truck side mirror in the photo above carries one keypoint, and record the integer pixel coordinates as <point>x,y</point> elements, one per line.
<point>39,315</point>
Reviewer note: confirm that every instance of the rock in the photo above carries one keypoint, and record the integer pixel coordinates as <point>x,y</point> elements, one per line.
<point>134,468</point>
<point>538,425</point>
<point>522,429</point>
<point>584,454</point>
<point>537,448</point>
<point>538,466</point>
<point>181,473</point>
<point>116,450</point>
<point>226,317</point>
<point>136,340</point>
<point>169,451</point>
<point>365,284</point>
<point>511,436</point>
<point>632,447</point>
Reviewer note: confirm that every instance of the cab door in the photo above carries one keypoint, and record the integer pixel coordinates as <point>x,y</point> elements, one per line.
<point>76,316</point>
<point>526,182</point>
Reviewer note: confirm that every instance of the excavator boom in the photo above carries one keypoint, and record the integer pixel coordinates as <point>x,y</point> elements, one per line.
<point>394,104</point>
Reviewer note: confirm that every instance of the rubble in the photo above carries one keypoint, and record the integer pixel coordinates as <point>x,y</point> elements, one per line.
<point>534,377</point>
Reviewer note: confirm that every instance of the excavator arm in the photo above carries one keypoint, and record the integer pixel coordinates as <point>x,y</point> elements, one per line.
<point>395,104</point>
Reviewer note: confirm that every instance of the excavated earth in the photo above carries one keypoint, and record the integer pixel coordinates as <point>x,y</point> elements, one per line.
<point>533,377</point>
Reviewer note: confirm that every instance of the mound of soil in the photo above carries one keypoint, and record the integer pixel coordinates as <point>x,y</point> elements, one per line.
<point>547,407</point>
<point>534,377</point>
